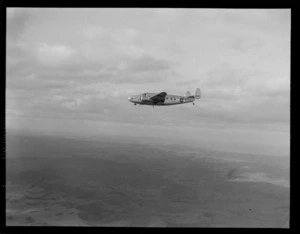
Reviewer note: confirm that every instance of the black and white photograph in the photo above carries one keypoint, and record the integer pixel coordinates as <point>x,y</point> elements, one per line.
<point>147,117</point>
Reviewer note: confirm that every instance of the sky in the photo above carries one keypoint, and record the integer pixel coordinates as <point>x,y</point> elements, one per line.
<point>78,66</point>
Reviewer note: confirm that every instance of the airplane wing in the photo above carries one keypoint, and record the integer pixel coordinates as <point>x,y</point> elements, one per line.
<point>159,97</point>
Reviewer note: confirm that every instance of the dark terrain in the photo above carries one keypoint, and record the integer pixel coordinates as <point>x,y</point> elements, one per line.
<point>56,180</point>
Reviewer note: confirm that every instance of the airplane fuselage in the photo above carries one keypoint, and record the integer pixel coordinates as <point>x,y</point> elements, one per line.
<point>145,99</point>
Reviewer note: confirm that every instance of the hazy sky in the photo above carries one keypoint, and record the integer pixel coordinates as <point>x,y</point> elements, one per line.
<point>82,64</point>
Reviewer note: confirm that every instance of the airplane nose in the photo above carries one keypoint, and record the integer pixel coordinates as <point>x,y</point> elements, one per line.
<point>129,98</point>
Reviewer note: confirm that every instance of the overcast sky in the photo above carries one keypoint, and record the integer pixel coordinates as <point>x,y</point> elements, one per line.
<point>83,64</point>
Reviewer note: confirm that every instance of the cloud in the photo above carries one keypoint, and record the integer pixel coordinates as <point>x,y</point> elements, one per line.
<point>56,65</point>
<point>19,57</point>
<point>188,82</point>
<point>239,95</point>
<point>93,33</point>
<point>141,70</point>
<point>85,65</point>
<point>149,64</point>
<point>55,55</point>
<point>225,79</point>
<point>33,82</point>
<point>103,44</point>
<point>255,19</point>
<point>246,45</point>
<point>282,16</point>
<point>224,75</point>
<point>17,20</point>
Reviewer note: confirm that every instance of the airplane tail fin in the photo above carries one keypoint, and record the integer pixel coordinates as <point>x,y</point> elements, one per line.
<point>197,94</point>
<point>188,94</point>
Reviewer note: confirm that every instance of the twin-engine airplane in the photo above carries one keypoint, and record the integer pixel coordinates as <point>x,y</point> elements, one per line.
<point>164,99</point>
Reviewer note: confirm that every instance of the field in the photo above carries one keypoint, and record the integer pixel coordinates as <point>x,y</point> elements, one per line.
<point>64,181</point>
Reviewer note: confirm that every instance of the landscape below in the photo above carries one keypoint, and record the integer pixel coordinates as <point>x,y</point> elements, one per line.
<point>61,181</point>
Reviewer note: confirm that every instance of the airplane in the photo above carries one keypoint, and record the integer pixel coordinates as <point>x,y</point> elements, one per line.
<point>164,99</point>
